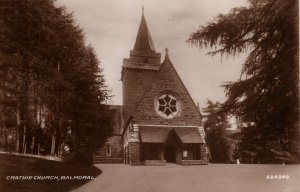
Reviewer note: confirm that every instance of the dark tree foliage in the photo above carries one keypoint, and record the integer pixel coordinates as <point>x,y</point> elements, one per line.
<point>267,92</point>
<point>215,126</point>
<point>51,75</point>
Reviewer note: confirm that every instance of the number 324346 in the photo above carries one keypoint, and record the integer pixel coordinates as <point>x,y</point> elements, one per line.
<point>278,177</point>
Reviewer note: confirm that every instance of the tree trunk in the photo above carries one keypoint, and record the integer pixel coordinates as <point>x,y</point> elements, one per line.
<point>24,140</point>
<point>4,115</point>
<point>18,130</point>
<point>53,139</point>
<point>53,145</point>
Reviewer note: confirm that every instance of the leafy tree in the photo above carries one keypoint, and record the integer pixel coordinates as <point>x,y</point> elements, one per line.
<point>267,93</point>
<point>215,126</point>
<point>57,78</point>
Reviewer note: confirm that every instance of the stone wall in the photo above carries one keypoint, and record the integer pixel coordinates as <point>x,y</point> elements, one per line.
<point>189,149</point>
<point>203,153</point>
<point>145,58</point>
<point>116,143</point>
<point>135,82</point>
<point>167,81</point>
<point>134,150</point>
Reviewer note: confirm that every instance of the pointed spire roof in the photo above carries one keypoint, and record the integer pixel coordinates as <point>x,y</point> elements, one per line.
<point>144,42</point>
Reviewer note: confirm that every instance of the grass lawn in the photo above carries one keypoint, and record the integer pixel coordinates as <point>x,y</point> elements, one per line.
<point>12,165</point>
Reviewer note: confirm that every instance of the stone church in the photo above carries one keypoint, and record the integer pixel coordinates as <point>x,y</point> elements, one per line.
<point>159,121</point>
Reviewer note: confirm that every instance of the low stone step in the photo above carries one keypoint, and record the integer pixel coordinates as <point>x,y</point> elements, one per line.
<point>155,162</point>
<point>194,162</point>
<point>98,160</point>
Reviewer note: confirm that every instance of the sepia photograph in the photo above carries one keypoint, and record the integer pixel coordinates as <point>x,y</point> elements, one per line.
<point>149,96</point>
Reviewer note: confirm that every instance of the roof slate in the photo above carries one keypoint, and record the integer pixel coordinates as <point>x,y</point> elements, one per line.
<point>154,134</point>
<point>189,134</point>
<point>144,42</point>
<point>157,134</point>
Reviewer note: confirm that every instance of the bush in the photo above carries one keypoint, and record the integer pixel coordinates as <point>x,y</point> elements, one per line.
<point>82,152</point>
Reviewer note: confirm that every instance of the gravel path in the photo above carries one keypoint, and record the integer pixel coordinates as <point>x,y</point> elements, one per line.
<point>210,178</point>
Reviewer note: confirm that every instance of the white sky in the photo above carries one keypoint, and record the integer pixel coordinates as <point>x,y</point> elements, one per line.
<point>111,26</point>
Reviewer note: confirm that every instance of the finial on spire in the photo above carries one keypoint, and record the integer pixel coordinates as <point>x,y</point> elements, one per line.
<point>167,52</point>
<point>143,9</point>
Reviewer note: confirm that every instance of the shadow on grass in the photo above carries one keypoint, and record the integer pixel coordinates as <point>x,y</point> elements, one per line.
<point>11,165</point>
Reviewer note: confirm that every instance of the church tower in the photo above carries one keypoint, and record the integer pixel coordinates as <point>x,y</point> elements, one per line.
<point>138,70</point>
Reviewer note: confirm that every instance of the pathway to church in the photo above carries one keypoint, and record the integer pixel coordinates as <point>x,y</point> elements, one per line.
<point>210,178</point>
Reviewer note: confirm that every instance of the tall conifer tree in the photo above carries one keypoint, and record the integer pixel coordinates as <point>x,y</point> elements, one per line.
<point>267,93</point>
<point>58,81</point>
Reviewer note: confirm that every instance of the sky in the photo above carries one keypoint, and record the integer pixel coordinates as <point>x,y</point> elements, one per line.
<point>111,26</point>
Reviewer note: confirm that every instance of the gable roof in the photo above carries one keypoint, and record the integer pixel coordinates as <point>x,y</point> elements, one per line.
<point>158,134</point>
<point>154,134</point>
<point>167,59</point>
<point>157,87</point>
<point>188,134</point>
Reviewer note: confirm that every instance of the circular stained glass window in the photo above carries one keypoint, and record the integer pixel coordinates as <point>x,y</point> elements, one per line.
<point>167,106</point>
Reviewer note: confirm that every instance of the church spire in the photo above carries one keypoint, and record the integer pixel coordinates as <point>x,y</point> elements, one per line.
<point>144,42</point>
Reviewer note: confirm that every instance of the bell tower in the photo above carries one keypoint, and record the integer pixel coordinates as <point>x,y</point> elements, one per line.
<point>139,69</point>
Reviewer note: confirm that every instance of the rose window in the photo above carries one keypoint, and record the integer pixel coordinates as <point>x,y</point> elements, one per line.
<point>167,106</point>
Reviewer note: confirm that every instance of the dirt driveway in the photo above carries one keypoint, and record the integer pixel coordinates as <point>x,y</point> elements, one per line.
<point>210,178</point>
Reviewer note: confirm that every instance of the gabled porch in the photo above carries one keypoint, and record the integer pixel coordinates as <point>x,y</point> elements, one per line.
<point>180,145</point>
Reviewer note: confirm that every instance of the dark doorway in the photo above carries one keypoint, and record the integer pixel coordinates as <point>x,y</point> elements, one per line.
<point>170,154</point>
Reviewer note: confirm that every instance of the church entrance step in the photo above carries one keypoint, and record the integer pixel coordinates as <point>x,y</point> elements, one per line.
<point>155,162</point>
